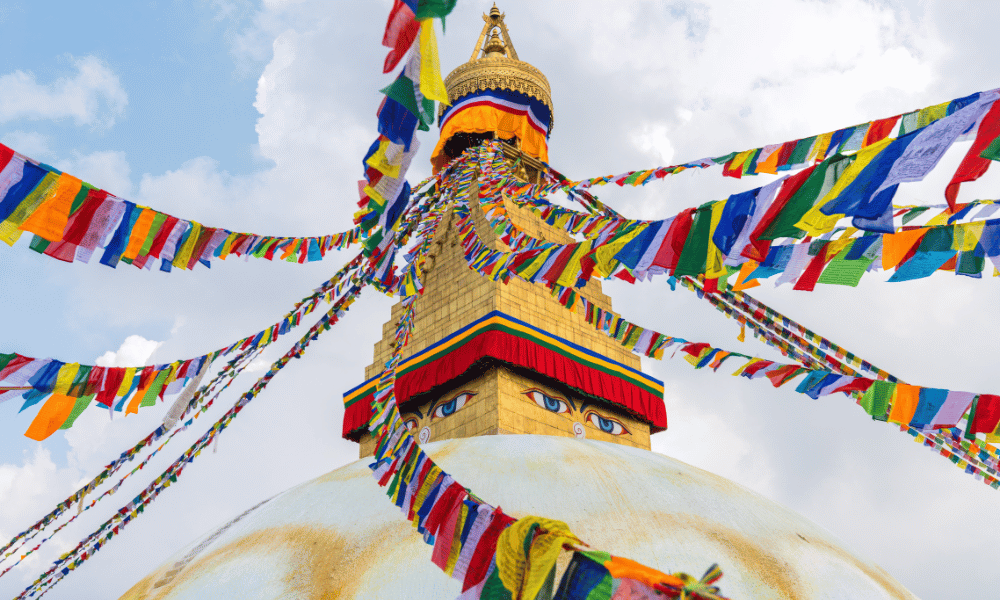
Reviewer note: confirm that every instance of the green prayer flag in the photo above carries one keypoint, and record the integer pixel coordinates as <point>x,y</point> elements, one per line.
<point>969,434</point>
<point>80,197</point>
<point>970,264</point>
<point>694,256</point>
<point>428,9</point>
<point>819,182</point>
<point>401,90</point>
<point>801,151</point>
<point>158,220</point>
<point>913,213</point>
<point>154,390</point>
<point>845,272</point>
<point>81,403</point>
<point>493,588</point>
<point>724,159</point>
<point>992,151</point>
<point>39,244</point>
<point>750,166</point>
<point>631,179</point>
<point>937,239</point>
<point>876,399</point>
<point>79,386</point>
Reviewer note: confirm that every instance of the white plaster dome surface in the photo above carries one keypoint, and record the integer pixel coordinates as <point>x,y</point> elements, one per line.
<point>338,536</point>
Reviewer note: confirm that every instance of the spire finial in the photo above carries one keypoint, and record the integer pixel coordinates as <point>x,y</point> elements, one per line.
<point>495,46</point>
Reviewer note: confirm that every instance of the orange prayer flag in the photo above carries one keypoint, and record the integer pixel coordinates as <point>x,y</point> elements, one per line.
<point>895,246</point>
<point>619,567</point>
<point>770,164</point>
<point>904,403</point>
<point>50,218</point>
<point>133,404</point>
<point>50,417</point>
<point>139,232</point>
<point>741,283</point>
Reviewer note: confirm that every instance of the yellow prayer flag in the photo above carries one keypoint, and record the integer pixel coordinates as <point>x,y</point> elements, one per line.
<point>183,255</point>
<point>967,236</point>
<point>568,277</point>
<point>713,263</point>
<point>431,84</point>
<point>524,572</point>
<point>818,150</point>
<point>126,384</point>
<point>939,219</point>
<point>385,164</point>
<point>605,255</point>
<point>932,113</point>
<point>815,222</point>
<point>10,230</point>
<point>65,377</point>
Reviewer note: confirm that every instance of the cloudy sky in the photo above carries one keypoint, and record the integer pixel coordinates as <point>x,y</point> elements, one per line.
<point>255,116</point>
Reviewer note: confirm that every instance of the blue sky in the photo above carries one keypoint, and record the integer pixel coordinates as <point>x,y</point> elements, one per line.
<point>186,97</point>
<point>254,116</point>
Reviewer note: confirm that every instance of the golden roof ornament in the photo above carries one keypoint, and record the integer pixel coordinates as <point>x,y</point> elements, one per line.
<point>494,65</point>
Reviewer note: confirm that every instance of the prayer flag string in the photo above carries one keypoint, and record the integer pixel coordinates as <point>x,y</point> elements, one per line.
<point>796,154</point>
<point>67,389</point>
<point>825,374</point>
<point>113,526</point>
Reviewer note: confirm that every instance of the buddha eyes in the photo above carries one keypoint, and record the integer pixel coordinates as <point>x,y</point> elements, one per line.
<point>547,402</point>
<point>410,424</point>
<point>450,407</point>
<point>605,424</point>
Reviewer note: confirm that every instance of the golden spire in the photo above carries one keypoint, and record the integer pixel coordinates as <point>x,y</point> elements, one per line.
<point>494,65</point>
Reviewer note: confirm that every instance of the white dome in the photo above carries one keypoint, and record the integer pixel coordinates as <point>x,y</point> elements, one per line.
<point>339,536</point>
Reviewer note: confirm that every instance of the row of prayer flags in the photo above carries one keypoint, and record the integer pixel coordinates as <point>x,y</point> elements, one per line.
<point>532,264</point>
<point>407,105</point>
<point>67,389</point>
<point>90,545</point>
<point>743,236</point>
<point>71,220</point>
<point>796,154</point>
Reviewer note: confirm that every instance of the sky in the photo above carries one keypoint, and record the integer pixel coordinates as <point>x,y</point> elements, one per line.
<point>254,117</point>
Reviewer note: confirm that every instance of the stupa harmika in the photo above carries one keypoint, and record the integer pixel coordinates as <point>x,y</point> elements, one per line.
<point>527,404</point>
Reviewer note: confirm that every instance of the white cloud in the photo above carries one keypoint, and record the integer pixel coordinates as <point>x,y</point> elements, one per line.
<point>135,350</point>
<point>29,143</point>
<point>92,96</point>
<point>108,170</point>
<point>652,139</point>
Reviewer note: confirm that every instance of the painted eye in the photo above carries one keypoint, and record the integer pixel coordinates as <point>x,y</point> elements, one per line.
<point>606,425</point>
<point>549,403</point>
<point>410,424</point>
<point>452,406</point>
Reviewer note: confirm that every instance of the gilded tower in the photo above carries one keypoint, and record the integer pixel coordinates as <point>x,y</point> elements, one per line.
<point>556,375</point>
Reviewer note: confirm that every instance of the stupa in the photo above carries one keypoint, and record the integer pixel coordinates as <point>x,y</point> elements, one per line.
<point>527,404</point>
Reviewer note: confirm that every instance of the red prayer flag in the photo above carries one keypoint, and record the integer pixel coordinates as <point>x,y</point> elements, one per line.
<point>807,281</point>
<point>974,166</point>
<point>757,248</point>
<point>879,130</point>
<point>673,243</point>
<point>987,414</point>
<point>400,31</point>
